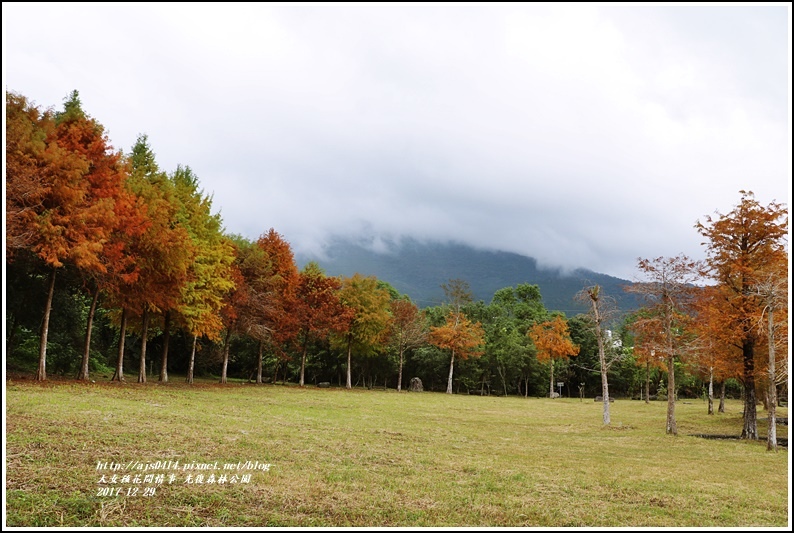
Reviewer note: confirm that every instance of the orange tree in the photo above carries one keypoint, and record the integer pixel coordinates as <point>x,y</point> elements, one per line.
<point>646,338</point>
<point>279,325</point>
<point>318,309</point>
<point>739,247</point>
<point>668,295</point>
<point>552,341</point>
<point>461,337</point>
<point>62,180</point>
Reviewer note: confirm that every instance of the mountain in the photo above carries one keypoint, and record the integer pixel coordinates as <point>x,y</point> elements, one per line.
<point>418,270</point>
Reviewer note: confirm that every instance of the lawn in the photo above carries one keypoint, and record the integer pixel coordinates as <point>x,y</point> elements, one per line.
<point>375,458</point>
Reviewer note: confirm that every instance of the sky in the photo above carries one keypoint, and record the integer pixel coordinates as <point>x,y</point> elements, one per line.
<point>581,135</point>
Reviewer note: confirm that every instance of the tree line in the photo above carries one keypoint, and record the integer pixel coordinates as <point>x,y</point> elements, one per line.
<point>130,266</point>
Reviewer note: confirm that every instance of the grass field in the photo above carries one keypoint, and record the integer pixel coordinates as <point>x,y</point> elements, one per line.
<point>377,458</point>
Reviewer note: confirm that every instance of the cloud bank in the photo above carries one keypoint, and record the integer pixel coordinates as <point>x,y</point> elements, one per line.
<point>584,136</point>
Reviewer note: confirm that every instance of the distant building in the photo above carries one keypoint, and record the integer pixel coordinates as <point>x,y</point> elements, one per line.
<point>616,342</point>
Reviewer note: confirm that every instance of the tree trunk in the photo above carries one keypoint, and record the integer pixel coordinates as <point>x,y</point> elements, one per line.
<point>750,429</point>
<point>605,396</point>
<point>189,378</point>
<point>301,381</point>
<point>259,363</point>
<point>451,366</point>
<point>11,336</point>
<point>771,435</point>
<point>711,390</point>
<point>551,378</point>
<point>672,428</point>
<point>166,339</point>
<point>502,375</point>
<point>144,331</point>
<point>226,354</point>
<point>275,370</point>
<point>602,360</point>
<point>648,382</point>
<point>349,357</point>
<point>721,408</point>
<point>604,382</point>
<point>400,372</point>
<point>119,374</point>
<point>83,375</point>
<point>41,373</point>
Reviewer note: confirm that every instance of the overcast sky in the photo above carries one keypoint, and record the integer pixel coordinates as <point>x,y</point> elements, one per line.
<point>584,136</point>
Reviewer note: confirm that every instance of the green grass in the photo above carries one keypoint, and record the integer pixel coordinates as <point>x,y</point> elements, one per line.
<point>375,458</point>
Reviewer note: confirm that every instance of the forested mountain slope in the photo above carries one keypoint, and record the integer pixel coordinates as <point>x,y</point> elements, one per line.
<point>418,270</point>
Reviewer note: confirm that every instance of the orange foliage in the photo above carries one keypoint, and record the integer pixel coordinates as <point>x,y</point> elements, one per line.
<point>459,335</point>
<point>281,320</point>
<point>552,339</point>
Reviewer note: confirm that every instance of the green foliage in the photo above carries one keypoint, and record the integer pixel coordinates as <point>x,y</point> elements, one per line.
<point>368,301</point>
<point>418,270</point>
<point>72,108</point>
<point>209,276</point>
<point>142,158</point>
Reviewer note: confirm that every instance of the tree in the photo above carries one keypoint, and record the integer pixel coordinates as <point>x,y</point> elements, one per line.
<point>458,334</point>
<point>34,163</point>
<point>246,307</point>
<point>461,337</point>
<point>716,357</point>
<point>772,287</point>
<point>162,253</point>
<point>506,321</point>
<point>602,309</point>
<point>553,341</point>
<point>31,162</point>
<point>368,316</point>
<point>280,325</point>
<point>739,245</point>
<point>120,267</point>
<point>646,333</point>
<point>668,296</point>
<point>457,293</point>
<point>61,177</point>
<point>209,276</point>
<point>408,329</point>
<point>318,308</point>
<point>121,217</point>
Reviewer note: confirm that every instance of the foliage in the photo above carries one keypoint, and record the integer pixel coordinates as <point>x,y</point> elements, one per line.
<point>128,239</point>
<point>665,327</point>
<point>407,330</point>
<point>552,339</point>
<point>460,336</point>
<point>367,327</point>
<point>318,309</point>
<point>739,247</point>
<point>209,276</point>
